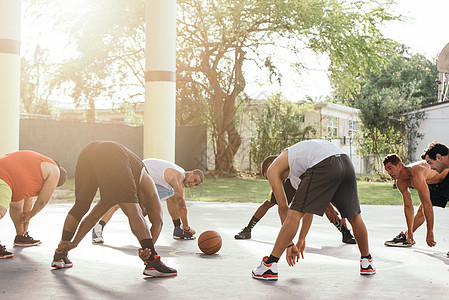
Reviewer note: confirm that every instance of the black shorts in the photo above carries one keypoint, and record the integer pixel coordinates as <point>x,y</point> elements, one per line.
<point>112,168</point>
<point>439,193</point>
<point>331,180</point>
<point>289,193</point>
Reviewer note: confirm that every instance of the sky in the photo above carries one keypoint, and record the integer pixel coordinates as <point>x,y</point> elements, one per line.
<point>425,31</point>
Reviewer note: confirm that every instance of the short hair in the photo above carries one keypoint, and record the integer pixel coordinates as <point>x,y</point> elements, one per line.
<point>199,173</point>
<point>392,158</point>
<point>266,163</point>
<point>433,149</point>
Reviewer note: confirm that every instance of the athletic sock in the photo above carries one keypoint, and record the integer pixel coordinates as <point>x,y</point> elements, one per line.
<point>339,226</point>
<point>271,259</point>
<point>252,223</point>
<point>177,223</point>
<point>368,257</point>
<point>102,223</point>
<point>148,244</point>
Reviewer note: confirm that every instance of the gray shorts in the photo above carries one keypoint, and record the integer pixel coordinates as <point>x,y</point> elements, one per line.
<point>331,180</point>
<point>163,192</point>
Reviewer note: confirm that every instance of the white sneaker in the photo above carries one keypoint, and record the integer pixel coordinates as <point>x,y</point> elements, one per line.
<point>266,271</point>
<point>367,266</point>
<point>97,234</point>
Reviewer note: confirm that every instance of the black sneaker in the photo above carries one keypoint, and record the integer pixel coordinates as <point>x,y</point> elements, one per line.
<point>61,260</point>
<point>347,237</point>
<point>157,268</point>
<point>399,241</point>
<point>25,241</point>
<point>5,253</point>
<point>244,234</point>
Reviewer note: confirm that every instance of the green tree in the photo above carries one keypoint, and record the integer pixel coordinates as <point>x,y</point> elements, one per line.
<point>387,100</point>
<point>279,124</point>
<point>216,38</point>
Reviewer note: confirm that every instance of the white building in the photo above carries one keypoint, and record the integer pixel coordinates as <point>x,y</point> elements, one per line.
<point>435,127</point>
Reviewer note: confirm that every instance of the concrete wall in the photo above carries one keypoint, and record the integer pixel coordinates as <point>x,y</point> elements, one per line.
<point>64,140</point>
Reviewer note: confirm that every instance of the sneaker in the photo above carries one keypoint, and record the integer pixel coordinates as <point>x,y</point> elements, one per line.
<point>347,237</point>
<point>177,233</point>
<point>25,241</point>
<point>61,260</point>
<point>5,253</point>
<point>244,234</point>
<point>446,254</point>
<point>97,234</point>
<point>399,241</point>
<point>180,234</point>
<point>367,266</point>
<point>157,268</point>
<point>266,271</point>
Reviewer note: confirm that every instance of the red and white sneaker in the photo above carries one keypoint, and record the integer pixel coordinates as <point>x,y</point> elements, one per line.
<point>26,241</point>
<point>61,260</point>
<point>266,271</point>
<point>5,253</point>
<point>367,266</point>
<point>157,268</point>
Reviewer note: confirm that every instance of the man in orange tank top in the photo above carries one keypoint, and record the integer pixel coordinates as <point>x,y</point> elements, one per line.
<point>24,175</point>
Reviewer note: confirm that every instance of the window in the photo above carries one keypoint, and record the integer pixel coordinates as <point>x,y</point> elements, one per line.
<point>332,127</point>
<point>352,128</point>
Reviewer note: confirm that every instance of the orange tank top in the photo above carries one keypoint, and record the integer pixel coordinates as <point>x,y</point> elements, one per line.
<point>22,171</point>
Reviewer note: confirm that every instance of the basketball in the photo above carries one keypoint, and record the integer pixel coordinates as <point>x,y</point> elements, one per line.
<point>209,242</point>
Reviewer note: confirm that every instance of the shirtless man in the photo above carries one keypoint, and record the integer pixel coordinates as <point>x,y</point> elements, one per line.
<point>420,176</point>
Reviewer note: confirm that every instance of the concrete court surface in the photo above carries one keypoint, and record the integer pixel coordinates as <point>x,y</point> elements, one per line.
<point>330,269</point>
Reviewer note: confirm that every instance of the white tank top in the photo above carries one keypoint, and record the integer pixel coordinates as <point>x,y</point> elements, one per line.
<point>156,169</point>
<point>306,154</point>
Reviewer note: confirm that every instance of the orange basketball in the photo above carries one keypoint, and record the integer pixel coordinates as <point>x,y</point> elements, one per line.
<point>209,242</point>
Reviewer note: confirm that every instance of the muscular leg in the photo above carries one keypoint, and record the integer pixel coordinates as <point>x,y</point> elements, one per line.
<point>90,220</point>
<point>262,210</point>
<point>15,211</point>
<point>108,215</point>
<point>173,210</point>
<point>419,219</point>
<point>360,234</point>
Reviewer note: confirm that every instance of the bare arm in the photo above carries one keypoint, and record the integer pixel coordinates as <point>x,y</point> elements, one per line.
<point>176,180</point>
<point>50,174</point>
<point>419,183</point>
<point>152,205</point>
<point>275,177</point>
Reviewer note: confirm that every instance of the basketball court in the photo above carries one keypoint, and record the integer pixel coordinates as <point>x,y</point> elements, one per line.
<point>330,269</point>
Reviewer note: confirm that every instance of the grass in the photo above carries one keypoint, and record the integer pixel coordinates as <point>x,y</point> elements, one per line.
<point>233,189</point>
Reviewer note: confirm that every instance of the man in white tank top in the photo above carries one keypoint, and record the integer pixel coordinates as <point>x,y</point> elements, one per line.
<point>321,174</point>
<point>170,180</point>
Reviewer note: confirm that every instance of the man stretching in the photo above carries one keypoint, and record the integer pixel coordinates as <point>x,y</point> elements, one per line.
<point>170,180</point>
<point>122,179</point>
<point>432,189</point>
<point>24,175</point>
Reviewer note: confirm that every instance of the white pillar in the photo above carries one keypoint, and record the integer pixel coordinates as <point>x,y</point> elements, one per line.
<point>160,80</point>
<point>10,13</point>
